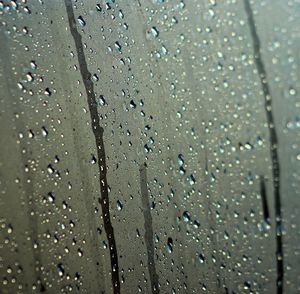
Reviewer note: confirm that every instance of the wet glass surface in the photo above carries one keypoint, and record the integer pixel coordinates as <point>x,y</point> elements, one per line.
<point>149,146</point>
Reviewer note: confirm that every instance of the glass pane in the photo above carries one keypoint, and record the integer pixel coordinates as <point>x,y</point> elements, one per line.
<point>149,146</point>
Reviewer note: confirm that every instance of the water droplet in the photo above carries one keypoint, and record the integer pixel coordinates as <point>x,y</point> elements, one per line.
<point>47,92</point>
<point>81,21</point>
<point>51,197</point>
<point>119,205</point>
<point>170,245</point>
<point>93,159</point>
<point>98,7</point>
<point>201,258</point>
<point>61,270</point>
<point>186,216</point>
<point>180,160</point>
<point>50,169</point>
<point>102,100</point>
<point>191,180</point>
<point>152,33</point>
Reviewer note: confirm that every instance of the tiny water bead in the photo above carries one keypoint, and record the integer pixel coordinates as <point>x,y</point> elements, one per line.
<point>119,205</point>
<point>170,245</point>
<point>81,21</point>
<point>152,33</point>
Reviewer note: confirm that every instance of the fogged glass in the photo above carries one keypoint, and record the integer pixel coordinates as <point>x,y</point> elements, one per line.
<point>149,146</point>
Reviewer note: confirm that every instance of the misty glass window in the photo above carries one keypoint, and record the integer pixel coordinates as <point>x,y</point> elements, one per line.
<point>149,146</point>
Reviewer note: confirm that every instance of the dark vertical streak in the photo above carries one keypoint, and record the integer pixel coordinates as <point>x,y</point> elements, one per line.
<point>264,200</point>
<point>98,134</point>
<point>273,144</point>
<point>148,229</point>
